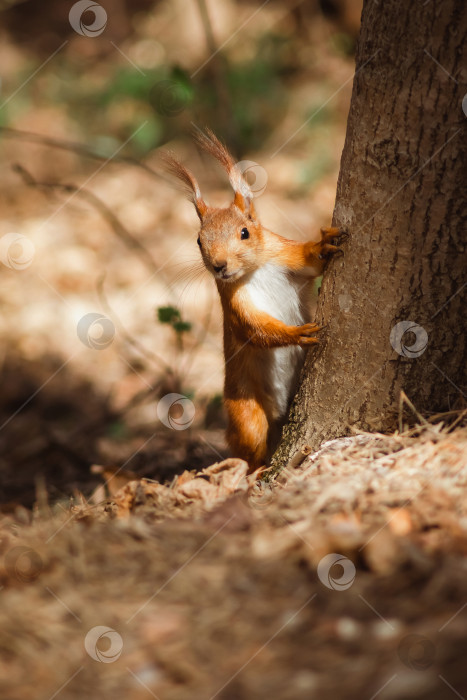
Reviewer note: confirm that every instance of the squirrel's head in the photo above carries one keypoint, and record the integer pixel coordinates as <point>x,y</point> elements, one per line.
<point>230,239</point>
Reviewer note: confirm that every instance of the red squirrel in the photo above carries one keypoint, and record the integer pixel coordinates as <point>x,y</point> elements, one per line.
<point>264,282</point>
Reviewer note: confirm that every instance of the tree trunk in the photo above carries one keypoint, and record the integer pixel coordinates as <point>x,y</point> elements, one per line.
<point>401,196</point>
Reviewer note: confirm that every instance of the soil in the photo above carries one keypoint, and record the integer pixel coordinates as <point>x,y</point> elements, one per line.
<point>345,577</point>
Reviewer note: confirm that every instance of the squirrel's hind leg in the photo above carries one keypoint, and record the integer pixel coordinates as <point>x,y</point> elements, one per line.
<point>247,432</point>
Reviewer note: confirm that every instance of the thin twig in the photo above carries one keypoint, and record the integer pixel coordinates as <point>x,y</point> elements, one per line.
<point>126,336</point>
<point>206,324</point>
<point>299,457</point>
<point>404,400</point>
<point>124,235</point>
<point>119,229</point>
<point>219,72</point>
<point>78,148</point>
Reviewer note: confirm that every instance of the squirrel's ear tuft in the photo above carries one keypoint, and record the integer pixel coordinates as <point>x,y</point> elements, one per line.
<point>190,184</point>
<point>245,204</point>
<point>243,195</point>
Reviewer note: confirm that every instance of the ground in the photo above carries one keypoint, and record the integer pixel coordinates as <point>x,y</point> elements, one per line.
<point>343,578</point>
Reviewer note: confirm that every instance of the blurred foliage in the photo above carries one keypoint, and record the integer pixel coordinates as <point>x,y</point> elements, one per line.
<point>171,316</point>
<point>343,43</point>
<point>252,99</point>
<point>244,100</point>
<point>118,430</point>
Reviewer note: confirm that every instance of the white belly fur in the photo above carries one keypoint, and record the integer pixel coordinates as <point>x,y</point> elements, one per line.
<point>277,292</point>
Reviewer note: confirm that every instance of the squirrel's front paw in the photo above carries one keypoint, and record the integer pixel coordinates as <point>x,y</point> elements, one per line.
<point>331,239</point>
<point>305,334</point>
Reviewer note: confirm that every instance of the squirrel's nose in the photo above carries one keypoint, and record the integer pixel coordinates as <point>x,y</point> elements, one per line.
<point>220,265</point>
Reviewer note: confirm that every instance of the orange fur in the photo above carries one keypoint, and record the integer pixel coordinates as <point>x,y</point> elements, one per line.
<point>257,328</point>
<point>249,332</point>
<point>247,432</point>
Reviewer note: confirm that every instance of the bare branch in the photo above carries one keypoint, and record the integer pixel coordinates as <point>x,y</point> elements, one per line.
<point>119,229</point>
<point>78,148</point>
<point>126,336</point>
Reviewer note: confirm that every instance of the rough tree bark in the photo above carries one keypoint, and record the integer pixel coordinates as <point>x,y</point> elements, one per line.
<point>401,196</point>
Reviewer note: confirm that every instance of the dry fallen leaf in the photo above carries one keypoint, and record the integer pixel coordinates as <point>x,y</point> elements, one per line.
<point>197,489</point>
<point>114,477</point>
<point>207,488</point>
<point>384,552</point>
<point>399,521</point>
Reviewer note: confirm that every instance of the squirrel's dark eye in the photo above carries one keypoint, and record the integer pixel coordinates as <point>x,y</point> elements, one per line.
<point>199,241</point>
<point>244,234</point>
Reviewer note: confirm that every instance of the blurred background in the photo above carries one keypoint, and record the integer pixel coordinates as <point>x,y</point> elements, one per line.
<point>104,309</point>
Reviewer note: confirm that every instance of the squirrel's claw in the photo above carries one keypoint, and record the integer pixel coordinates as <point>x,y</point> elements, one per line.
<point>333,235</point>
<point>328,249</point>
<point>340,238</point>
<point>305,333</point>
<point>331,239</point>
<point>305,340</point>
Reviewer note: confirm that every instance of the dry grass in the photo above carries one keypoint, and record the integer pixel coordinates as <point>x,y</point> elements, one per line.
<point>212,583</point>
